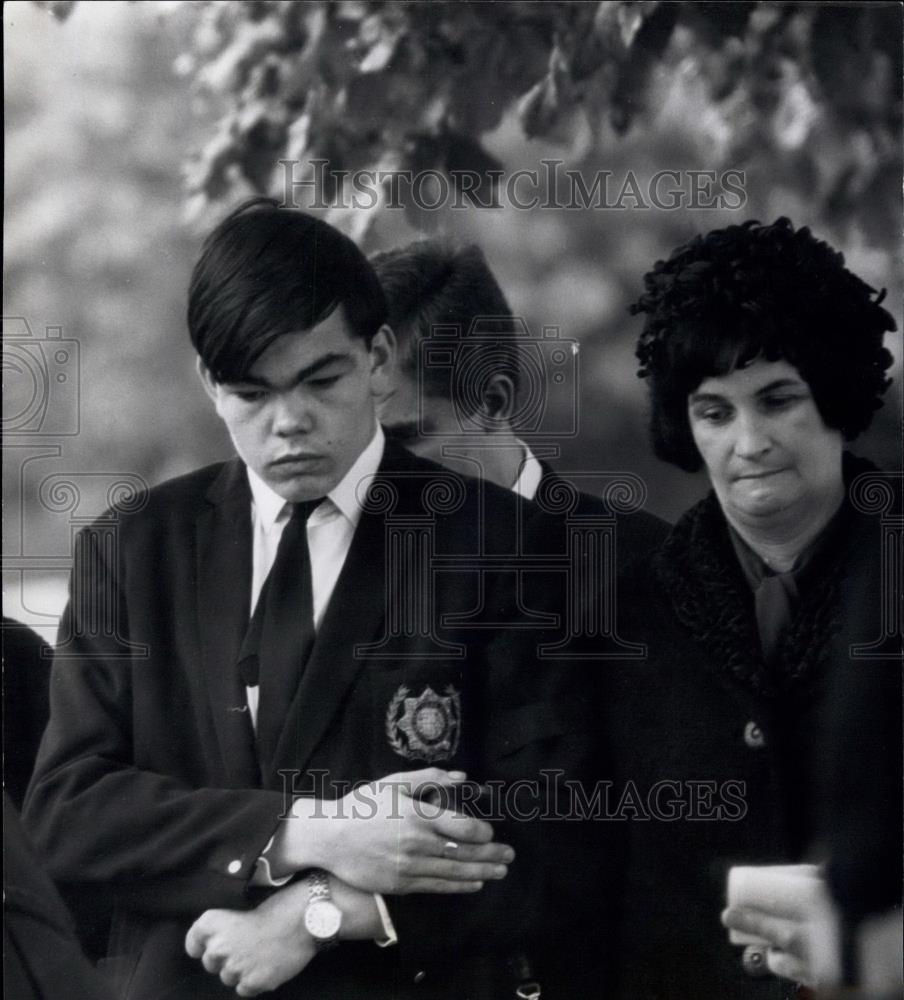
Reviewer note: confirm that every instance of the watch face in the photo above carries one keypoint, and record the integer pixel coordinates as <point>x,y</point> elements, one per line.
<point>322,919</point>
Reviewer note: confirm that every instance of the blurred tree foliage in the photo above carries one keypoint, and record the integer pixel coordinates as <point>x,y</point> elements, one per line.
<point>416,86</point>
<point>804,98</point>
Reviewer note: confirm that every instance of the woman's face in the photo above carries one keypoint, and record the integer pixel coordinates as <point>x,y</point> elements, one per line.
<point>766,448</point>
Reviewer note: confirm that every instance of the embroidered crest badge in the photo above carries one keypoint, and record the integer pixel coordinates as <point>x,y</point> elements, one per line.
<point>426,727</point>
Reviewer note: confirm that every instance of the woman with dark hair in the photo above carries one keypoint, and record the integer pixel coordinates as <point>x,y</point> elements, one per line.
<point>763,355</point>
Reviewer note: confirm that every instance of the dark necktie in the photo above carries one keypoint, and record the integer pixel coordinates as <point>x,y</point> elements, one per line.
<point>281,632</point>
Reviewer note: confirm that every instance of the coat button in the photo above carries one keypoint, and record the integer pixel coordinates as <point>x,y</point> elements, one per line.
<point>754,961</point>
<point>753,736</point>
<point>234,867</point>
<point>420,976</point>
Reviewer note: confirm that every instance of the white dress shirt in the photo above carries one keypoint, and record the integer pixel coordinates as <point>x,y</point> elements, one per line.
<point>528,481</point>
<point>330,529</point>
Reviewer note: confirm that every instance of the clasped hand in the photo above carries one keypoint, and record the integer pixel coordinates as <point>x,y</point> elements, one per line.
<point>258,950</point>
<point>386,837</point>
<point>391,837</point>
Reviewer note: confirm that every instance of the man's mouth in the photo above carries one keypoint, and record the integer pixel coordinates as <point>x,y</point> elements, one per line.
<point>299,459</point>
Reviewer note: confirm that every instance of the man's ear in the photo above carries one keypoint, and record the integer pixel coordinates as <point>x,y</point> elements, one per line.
<point>207,380</point>
<point>497,400</point>
<point>383,362</point>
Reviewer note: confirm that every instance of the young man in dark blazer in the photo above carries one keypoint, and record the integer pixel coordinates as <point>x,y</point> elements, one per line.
<point>251,649</point>
<point>443,300</point>
<point>466,413</point>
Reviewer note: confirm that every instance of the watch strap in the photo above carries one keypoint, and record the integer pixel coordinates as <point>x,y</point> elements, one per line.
<point>318,883</point>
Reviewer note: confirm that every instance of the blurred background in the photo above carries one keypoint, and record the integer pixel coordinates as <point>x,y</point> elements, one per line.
<point>131,128</point>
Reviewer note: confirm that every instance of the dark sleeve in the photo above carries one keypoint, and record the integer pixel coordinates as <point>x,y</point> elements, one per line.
<point>41,956</point>
<point>859,737</point>
<point>97,818</point>
<point>26,680</point>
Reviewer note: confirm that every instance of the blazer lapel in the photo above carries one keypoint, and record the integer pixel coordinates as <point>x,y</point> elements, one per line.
<point>223,534</point>
<point>353,617</point>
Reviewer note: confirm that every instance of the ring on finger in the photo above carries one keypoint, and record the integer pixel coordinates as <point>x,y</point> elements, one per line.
<point>450,849</point>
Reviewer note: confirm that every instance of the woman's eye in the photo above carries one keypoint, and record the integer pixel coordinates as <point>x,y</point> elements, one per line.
<point>250,395</point>
<point>714,414</point>
<point>324,383</point>
<point>780,402</point>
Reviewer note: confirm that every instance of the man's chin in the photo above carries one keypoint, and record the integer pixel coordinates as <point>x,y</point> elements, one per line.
<point>298,487</point>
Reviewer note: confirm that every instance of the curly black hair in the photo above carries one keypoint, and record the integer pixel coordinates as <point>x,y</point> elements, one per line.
<point>750,291</point>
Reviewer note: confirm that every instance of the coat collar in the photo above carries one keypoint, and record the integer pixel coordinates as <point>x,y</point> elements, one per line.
<point>223,553</point>
<point>699,571</point>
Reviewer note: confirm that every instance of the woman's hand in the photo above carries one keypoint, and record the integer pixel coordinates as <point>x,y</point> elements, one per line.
<point>799,925</point>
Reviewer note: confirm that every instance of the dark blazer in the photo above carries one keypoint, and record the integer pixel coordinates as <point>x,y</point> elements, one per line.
<point>603,537</point>
<point>718,760</point>
<point>590,543</point>
<point>638,533</point>
<point>41,955</point>
<point>26,708</point>
<point>148,784</point>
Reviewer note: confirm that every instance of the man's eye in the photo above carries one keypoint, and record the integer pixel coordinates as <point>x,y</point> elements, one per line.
<point>324,382</point>
<point>250,395</point>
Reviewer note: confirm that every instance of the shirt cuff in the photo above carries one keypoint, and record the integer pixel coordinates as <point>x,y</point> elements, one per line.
<point>389,932</point>
<point>263,876</point>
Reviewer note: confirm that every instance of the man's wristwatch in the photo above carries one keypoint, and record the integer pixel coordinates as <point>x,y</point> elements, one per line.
<point>322,918</point>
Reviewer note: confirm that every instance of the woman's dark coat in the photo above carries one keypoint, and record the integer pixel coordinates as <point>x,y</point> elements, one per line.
<point>722,761</point>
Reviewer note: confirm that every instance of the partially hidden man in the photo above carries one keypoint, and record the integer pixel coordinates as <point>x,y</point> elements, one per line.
<point>249,650</point>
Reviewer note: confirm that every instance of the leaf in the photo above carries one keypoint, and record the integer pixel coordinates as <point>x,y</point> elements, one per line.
<point>467,155</point>
<point>542,108</point>
<point>60,9</point>
<point>715,23</point>
<point>258,151</point>
<point>648,43</point>
<point>229,71</point>
<point>382,48</point>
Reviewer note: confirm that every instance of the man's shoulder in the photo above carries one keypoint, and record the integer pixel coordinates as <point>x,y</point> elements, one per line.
<point>639,532</point>
<point>182,496</point>
<point>445,491</point>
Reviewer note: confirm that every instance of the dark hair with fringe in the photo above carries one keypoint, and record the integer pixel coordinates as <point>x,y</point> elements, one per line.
<point>266,271</point>
<point>753,291</point>
<point>431,283</point>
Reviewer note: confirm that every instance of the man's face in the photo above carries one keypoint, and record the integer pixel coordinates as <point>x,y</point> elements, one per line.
<point>766,448</point>
<point>431,427</point>
<point>305,412</point>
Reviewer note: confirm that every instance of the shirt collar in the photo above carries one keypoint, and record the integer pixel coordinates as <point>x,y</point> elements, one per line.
<point>528,481</point>
<point>269,505</point>
<point>345,494</point>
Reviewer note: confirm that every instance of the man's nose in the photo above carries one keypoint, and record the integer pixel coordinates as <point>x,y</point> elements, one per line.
<point>292,414</point>
<point>753,436</point>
